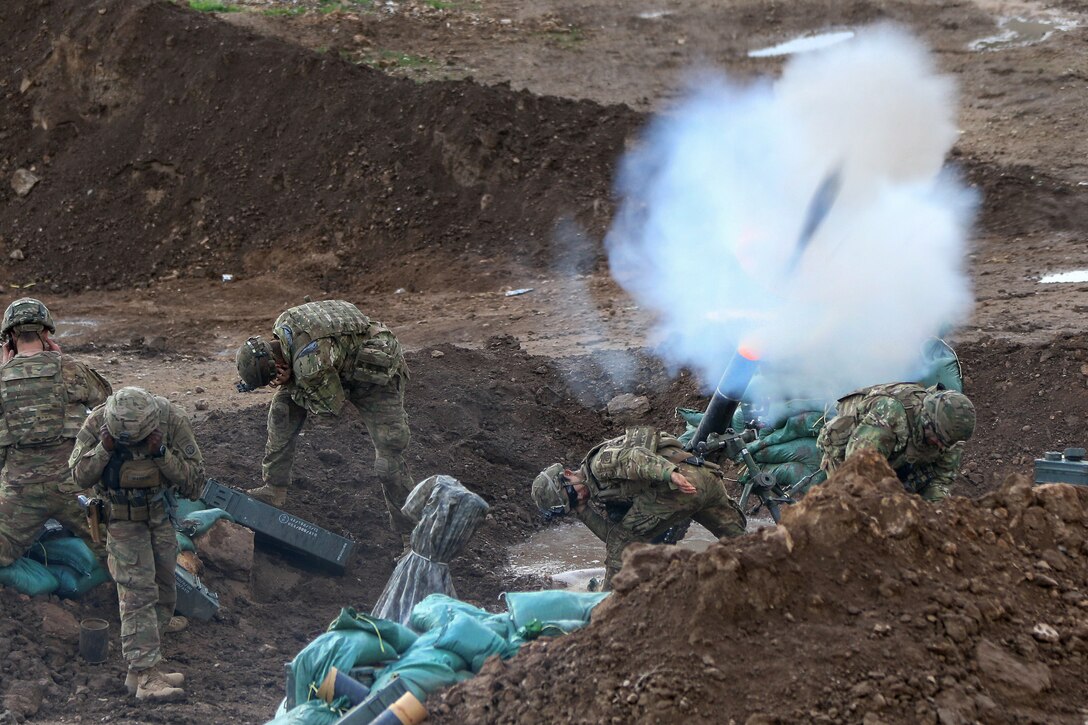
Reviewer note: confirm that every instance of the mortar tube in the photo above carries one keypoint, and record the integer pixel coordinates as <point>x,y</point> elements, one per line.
<point>727,396</point>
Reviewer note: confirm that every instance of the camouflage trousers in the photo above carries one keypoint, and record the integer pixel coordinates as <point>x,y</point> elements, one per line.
<point>24,508</point>
<point>658,509</point>
<point>142,558</point>
<point>382,410</point>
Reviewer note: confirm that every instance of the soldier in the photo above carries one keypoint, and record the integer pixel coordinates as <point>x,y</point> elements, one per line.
<point>921,431</point>
<point>134,449</point>
<point>44,397</point>
<point>323,354</point>
<point>635,488</point>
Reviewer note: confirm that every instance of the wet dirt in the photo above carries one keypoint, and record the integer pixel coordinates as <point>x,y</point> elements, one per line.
<point>420,166</point>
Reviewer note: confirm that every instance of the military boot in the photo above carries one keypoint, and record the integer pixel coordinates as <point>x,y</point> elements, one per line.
<point>174,679</point>
<point>274,495</point>
<point>175,625</point>
<point>153,684</point>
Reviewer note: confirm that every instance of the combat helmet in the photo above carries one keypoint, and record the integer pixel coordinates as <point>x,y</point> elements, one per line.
<point>952,415</point>
<point>131,415</point>
<point>548,493</point>
<point>256,364</point>
<point>27,315</point>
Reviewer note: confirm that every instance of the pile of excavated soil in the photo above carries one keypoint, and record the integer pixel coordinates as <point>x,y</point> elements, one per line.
<point>168,142</point>
<point>866,605</point>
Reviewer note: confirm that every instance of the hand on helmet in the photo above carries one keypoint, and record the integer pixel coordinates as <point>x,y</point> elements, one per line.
<point>107,440</point>
<point>154,442</point>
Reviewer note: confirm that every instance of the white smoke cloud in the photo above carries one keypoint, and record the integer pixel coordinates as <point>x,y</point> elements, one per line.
<point>714,198</point>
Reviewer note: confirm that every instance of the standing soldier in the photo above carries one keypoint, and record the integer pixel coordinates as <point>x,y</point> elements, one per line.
<point>635,488</point>
<point>44,397</point>
<point>134,450</point>
<point>920,431</point>
<point>323,354</point>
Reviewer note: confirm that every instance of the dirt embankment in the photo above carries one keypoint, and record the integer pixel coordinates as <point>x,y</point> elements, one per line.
<point>866,605</point>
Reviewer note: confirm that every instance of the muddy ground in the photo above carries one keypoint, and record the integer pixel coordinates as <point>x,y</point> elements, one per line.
<point>421,159</point>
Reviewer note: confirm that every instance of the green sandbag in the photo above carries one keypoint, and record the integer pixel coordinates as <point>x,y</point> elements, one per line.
<point>801,425</point>
<point>353,641</point>
<point>941,366</point>
<point>184,542</point>
<point>73,585</point>
<point>313,712</point>
<point>425,668</point>
<point>67,550</point>
<point>28,577</point>
<point>472,641</point>
<point>185,506</point>
<point>800,449</point>
<point>552,605</point>
<point>391,633</point>
<point>435,610</point>
<point>198,522</point>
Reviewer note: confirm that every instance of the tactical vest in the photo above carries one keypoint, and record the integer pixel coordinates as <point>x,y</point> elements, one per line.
<point>378,354</point>
<point>606,454</point>
<point>851,408</point>
<point>128,472</point>
<point>34,397</point>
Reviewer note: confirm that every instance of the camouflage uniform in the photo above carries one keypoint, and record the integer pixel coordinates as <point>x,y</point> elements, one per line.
<point>53,394</point>
<point>141,542</point>
<point>632,496</point>
<point>339,355</point>
<point>891,420</point>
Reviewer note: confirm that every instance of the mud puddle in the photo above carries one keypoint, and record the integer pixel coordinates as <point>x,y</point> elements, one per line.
<point>803,44</point>
<point>572,556</point>
<point>1016,32</point>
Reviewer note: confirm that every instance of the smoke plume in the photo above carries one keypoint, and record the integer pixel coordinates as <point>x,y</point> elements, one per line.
<point>716,194</point>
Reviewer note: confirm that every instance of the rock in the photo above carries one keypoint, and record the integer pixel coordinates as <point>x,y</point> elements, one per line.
<point>198,389</point>
<point>17,255</point>
<point>1009,675</point>
<point>23,699</point>
<point>190,562</point>
<point>1045,633</point>
<point>156,343</point>
<point>546,396</point>
<point>201,404</point>
<point>437,354</point>
<point>58,622</point>
<point>228,548</point>
<point>22,181</point>
<point>330,457</point>
<point>627,406</point>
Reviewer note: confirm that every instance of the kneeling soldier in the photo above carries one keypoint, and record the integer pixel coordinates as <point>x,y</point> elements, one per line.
<point>134,449</point>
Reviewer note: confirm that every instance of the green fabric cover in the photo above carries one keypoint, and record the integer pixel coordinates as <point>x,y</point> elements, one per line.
<point>425,668</point>
<point>198,522</point>
<point>186,506</point>
<point>314,712</point>
<point>28,577</point>
<point>436,610</point>
<point>184,542</point>
<point>473,641</point>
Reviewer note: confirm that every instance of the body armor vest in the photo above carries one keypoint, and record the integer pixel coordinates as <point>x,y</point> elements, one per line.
<point>377,352</point>
<point>35,401</point>
<point>614,488</point>
<point>851,410</point>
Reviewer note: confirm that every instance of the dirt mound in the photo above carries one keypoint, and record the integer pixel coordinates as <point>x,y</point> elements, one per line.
<point>168,141</point>
<point>866,605</point>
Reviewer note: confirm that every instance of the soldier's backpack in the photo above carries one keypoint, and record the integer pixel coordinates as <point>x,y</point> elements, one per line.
<point>35,399</point>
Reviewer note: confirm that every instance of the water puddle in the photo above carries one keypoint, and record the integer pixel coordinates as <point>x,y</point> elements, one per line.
<point>1017,32</point>
<point>803,44</point>
<point>1080,275</point>
<point>571,555</point>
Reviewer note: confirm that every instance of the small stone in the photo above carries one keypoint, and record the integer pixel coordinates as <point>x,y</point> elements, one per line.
<point>201,404</point>
<point>1045,633</point>
<point>22,181</point>
<point>437,354</point>
<point>198,389</point>
<point>627,405</point>
<point>17,254</point>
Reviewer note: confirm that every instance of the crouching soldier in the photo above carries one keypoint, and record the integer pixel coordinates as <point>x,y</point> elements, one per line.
<point>920,431</point>
<point>134,450</point>
<point>635,488</point>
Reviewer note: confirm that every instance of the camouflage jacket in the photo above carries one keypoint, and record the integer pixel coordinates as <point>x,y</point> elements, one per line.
<point>888,419</point>
<point>182,466</point>
<point>622,467</point>
<point>332,345</point>
<point>80,389</point>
